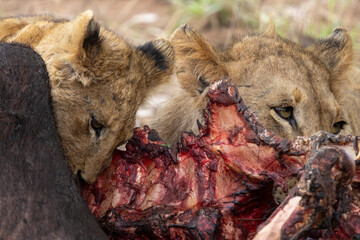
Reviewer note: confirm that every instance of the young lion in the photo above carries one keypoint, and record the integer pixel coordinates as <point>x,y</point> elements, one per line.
<point>287,86</point>
<point>98,82</point>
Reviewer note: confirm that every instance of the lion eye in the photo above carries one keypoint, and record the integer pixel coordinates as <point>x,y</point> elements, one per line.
<point>284,112</point>
<point>338,126</point>
<point>96,126</point>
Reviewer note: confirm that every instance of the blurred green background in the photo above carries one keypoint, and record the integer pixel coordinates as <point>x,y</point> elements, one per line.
<point>219,21</point>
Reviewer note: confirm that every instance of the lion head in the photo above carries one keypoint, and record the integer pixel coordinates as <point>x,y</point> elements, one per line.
<point>98,81</point>
<point>287,86</point>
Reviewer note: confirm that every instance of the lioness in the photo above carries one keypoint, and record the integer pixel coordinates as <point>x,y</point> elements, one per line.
<point>287,86</point>
<point>98,82</point>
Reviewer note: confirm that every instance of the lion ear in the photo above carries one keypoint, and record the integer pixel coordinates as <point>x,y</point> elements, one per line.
<point>159,64</point>
<point>84,36</point>
<point>197,63</point>
<point>335,52</point>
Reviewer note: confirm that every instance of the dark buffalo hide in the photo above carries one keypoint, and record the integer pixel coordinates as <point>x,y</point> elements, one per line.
<point>38,196</point>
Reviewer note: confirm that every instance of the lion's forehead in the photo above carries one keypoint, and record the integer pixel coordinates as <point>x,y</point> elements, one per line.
<point>277,61</point>
<point>276,76</point>
<point>271,52</point>
<point>264,45</point>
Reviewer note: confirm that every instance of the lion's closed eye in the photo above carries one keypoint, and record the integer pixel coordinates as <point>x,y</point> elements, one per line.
<point>96,126</point>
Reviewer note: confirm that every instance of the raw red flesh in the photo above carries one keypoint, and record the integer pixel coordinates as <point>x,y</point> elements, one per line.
<point>221,184</point>
<point>322,204</point>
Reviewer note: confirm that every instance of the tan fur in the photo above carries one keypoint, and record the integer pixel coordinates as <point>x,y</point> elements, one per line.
<point>98,82</point>
<point>269,72</point>
<point>347,92</point>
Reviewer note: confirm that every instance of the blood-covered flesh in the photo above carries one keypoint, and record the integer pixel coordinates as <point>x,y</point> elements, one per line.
<point>228,181</point>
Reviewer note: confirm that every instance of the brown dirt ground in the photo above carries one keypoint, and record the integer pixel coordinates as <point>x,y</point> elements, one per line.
<point>141,20</point>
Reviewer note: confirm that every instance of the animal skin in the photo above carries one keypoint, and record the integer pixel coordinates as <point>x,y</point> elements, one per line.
<point>38,197</point>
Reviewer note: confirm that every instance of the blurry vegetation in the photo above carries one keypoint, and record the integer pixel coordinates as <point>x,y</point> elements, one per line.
<point>301,21</point>
<point>217,13</point>
<point>336,13</point>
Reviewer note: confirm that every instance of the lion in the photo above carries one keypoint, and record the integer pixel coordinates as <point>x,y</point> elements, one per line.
<point>290,88</point>
<point>97,79</point>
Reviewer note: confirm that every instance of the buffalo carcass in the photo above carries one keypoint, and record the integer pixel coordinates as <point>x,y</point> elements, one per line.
<point>38,196</point>
<point>228,182</point>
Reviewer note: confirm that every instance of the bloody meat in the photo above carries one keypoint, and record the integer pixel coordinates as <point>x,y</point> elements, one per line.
<point>228,182</point>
